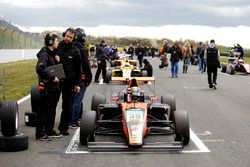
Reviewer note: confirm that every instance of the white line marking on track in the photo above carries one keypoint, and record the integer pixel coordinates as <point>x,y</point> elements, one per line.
<point>74,143</point>
<point>204,134</point>
<point>193,87</point>
<point>23,99</point>
<point>215,140</point>
<point>201,146</point>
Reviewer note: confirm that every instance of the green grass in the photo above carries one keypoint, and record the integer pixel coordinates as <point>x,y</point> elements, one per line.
<point>19,77</point>
<point>224,59</point>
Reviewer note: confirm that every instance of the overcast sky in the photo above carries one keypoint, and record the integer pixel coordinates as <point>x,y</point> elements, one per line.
<point>226,21</point>
<point>215,13</point>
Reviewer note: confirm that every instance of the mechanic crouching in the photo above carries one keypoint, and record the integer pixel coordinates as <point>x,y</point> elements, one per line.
<point>148,67</point>
<point>49,90</point>
<point>69,55</point>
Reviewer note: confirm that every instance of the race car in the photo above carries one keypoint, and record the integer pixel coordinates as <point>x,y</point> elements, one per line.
<point>125,71</point>
<point>121,59</point>
<point>234,65</point>
<point>133,114</point>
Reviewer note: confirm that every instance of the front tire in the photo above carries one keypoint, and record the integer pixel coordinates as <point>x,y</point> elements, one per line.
<point>87,129</point>
<point>170,100</point>
<point>181,122</point>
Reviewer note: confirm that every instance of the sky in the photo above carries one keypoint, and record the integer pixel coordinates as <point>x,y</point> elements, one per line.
<point>178,18</point>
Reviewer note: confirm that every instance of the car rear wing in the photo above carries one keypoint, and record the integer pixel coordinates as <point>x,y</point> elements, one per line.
<point>119,79</point>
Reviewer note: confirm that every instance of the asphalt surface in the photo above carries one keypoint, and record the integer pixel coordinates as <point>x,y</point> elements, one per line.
<point>219,120</point>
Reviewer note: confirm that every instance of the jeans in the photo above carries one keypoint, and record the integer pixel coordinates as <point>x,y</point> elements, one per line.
<point>203,65</point>
<point>174,68</point>
<point>77,103</point>
<point>185,64</point>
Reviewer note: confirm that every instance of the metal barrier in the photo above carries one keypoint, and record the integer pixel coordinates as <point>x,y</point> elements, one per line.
<point>2,82</point>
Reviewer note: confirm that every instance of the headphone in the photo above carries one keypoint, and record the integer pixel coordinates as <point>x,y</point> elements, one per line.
<point>49,39</point>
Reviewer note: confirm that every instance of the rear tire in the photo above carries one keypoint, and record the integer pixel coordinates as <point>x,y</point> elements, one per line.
<point>9,118</point>
<point>170,100</point>
<point>97,99</point>
<point>87,129</point>
<point>108,76</point>
<point>182,126</point>
<point>144,73</point>
<point>223,68</point>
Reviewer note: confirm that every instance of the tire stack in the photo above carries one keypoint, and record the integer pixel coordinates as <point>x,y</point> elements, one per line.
<point>30,117</point>
<point>10,138</point>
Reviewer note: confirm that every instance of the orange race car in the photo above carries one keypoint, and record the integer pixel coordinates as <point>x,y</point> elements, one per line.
<point>135,115</point>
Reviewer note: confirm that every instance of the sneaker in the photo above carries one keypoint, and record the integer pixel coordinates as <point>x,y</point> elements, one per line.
<point>64,133</point>
<point>214,86</point>
<point>210,86</point>
<point>74,126</point>
<point>43,138</point>
<point>54,134</point>
<point>96,81</point>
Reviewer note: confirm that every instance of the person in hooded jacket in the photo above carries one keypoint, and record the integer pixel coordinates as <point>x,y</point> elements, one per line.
<point>212,57</point>
<point>49,90</point>
<point>86,77</point>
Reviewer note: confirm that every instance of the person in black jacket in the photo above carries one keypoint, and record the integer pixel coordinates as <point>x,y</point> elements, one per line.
<point>101,61</point>
<point>131,50</point>
<point>212,57</point>
<point>70,57</point>
<point>140,53</point>
<point>49,90</point>
<point>86,77</point>
<point>176,56</point>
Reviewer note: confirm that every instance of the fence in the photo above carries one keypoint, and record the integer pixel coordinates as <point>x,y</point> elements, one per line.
<point>16,39</point>
<point>2,82</point>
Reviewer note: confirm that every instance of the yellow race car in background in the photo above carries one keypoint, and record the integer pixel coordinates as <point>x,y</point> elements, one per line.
<point>125,71</point>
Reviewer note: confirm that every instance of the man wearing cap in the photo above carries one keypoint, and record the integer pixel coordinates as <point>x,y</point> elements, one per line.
<point>212,57</point>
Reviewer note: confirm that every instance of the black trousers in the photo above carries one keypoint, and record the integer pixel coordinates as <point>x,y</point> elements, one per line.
<point>101,68</point>
<point>46,112</point>
<point>67,105</point>
<point>140,58</point>
<point>212,75</point>
<point>53,98</point>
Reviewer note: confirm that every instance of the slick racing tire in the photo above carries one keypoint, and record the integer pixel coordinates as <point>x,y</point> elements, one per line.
<point>223,68</point>
<point>112,63</point>
<point>144,73</point>
<point>181,123</point>
<point>19,142</point>
<point>30,119</point>
<point>108,76</point>
<point>170,100</point>
<point>87,129</point>
<point>9,118</point>
<point>97,99</point>
<point>35,98</point>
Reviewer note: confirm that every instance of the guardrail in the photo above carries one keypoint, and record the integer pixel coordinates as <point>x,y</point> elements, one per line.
<point>2,82</point>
